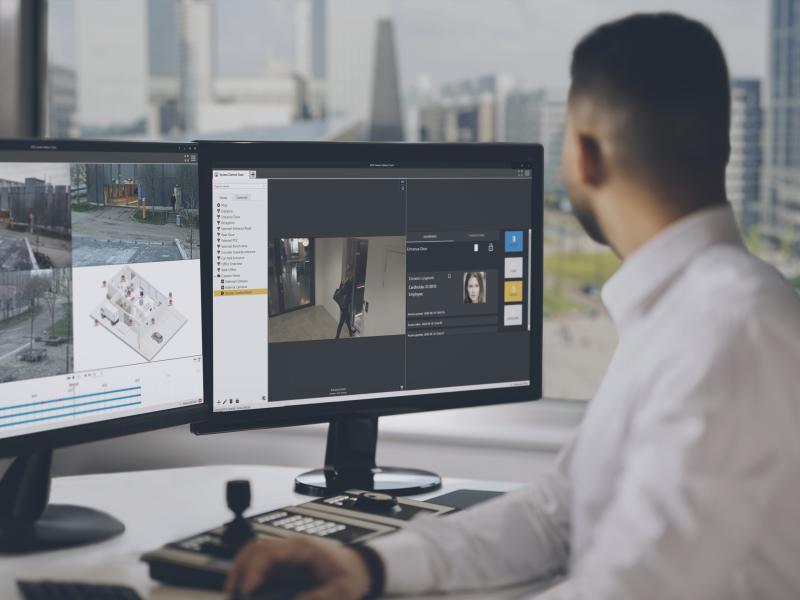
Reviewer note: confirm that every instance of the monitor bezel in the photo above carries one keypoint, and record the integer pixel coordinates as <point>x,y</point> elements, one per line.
<point>29,442</point>
<point>243,155</point>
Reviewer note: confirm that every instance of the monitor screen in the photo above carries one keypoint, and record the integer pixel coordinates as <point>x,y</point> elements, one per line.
<point>372,281</point>
<point>99,283</point>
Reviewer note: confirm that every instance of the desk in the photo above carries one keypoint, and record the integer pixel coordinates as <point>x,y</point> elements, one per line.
<point>162,506</point>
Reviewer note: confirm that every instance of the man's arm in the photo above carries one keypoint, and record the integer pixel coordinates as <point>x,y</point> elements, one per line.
<point>519,537</point>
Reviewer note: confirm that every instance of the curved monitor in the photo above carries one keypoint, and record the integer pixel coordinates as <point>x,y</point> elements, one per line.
<point>100,329</point>
<point>368,279</point>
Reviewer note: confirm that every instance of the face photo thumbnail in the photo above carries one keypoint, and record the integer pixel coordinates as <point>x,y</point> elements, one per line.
<point>475,287</point>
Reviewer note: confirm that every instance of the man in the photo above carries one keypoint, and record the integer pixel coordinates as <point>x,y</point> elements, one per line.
<point>683,480</point>
<point>344,298</point>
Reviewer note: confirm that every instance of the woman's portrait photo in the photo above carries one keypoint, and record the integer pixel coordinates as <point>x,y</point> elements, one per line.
<point>475,287</point>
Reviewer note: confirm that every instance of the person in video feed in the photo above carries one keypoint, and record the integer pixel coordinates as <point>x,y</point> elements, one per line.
<point>344,298</point>
<point>475,287</point>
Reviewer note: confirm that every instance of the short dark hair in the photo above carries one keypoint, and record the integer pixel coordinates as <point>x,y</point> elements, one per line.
<point>664,77</point>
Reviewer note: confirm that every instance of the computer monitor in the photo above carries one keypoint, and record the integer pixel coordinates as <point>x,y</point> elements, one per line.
<point>100,331</point>
<point>348,281</point>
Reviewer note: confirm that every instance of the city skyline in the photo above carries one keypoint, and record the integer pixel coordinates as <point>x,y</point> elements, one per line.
<point>530,40</point>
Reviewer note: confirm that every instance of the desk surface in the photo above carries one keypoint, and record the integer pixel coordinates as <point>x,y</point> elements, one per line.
<point>162,506</point>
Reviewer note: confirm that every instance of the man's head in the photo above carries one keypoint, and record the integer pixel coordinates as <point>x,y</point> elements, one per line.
<point>649,106</point>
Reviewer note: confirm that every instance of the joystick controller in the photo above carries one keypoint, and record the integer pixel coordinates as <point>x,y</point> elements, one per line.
<point>239,531</point>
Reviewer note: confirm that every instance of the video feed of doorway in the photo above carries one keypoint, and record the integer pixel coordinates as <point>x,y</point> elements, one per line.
<point>340,281</point>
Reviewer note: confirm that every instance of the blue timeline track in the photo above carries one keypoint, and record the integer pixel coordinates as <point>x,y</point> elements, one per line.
<point>72,406</point>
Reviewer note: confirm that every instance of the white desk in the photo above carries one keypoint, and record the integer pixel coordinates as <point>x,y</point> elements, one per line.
<point>162,506</point>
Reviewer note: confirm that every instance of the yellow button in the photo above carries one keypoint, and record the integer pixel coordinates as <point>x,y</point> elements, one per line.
<point>513,291</point>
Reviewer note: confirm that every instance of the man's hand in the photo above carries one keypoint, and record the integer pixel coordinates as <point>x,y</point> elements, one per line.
<point>340,573</point>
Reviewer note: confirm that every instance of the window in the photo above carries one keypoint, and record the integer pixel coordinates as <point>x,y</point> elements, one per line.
<point>421,70</point>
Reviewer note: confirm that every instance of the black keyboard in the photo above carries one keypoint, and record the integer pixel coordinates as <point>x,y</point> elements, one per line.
<point>66,590</point>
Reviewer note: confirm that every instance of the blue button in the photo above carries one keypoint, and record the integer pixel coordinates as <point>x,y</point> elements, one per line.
<point>513,241</point>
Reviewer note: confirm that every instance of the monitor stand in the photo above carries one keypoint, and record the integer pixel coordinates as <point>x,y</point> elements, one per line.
<point>29,524</point>
<point>350,464</point>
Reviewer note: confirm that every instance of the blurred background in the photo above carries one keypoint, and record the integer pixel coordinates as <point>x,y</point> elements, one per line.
<point>408,70</point>
<point>415,70</point>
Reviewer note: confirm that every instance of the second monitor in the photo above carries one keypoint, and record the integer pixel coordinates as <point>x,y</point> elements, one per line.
<point>348,281</point>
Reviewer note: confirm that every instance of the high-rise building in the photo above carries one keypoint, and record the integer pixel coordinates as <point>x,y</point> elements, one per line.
<point>310,41</point>
<point>351,28</point>
<point>539,116</point>
<point>471,110</point>
<point>196,59</point>
<point>310,38</point>
<point>112,66</point>
<point>781,185</point>
<point>524,116</point>
<point>61,102</point>
<point>742,177</point>
<point>553,126</point>
<point>386,114</point>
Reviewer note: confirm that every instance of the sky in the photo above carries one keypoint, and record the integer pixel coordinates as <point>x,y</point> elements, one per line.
<point>55,173</point>
<point>532,40</point>
<point>446,40</point>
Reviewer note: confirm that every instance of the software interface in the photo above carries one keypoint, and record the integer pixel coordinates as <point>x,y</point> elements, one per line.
<point>370,281</point>
<point>99,286</point>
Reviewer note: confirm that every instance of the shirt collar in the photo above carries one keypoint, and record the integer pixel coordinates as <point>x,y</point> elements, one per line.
<point>650,268</point>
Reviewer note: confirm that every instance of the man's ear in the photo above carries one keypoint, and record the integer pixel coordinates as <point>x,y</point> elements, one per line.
<point>591,166</point>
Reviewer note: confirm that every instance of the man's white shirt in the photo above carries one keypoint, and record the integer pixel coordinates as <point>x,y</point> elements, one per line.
<point>683,480</point>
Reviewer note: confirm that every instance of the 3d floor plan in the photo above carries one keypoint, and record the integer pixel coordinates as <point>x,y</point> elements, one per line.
<point>138,313</point>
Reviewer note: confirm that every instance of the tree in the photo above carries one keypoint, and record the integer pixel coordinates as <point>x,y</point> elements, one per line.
<point>35,288</point>
<point>186,180</point>
<point>149,178</point>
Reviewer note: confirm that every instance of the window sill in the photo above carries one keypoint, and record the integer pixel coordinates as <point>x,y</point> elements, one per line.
<point>543,426</point>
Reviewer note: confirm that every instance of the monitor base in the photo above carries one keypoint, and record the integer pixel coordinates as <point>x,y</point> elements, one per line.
<point>393,480</point>
<point>350,464</point>
<point>60,526</point>
<point>29,524</point>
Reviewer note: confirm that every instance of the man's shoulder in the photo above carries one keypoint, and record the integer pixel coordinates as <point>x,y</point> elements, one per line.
<point>728,282</point>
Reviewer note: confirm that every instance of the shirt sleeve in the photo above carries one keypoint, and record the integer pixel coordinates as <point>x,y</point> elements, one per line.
<point>704,459</point>
<point>518,537</point>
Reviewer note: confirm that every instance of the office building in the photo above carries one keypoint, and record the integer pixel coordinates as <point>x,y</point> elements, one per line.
<point>310,40</point>
<point>351,27</point>
<point>524,116</point>
<point>276,97</point>
<point>61,102</point>
<point>196,59</point>
<point>111,99</point>
<point>781,187</point>
<point>539,116</point>
<point>386,115</point>
<point>164,116</point>
<point>472,110</point>
<point>742,177</point>
<point>554,116</point>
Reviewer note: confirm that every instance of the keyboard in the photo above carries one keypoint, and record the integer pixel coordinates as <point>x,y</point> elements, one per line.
<point>67,590</point>
<point>203,559</point>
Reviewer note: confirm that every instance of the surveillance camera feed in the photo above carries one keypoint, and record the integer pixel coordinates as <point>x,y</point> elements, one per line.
<point>367,282</point>
<point>99,285</point>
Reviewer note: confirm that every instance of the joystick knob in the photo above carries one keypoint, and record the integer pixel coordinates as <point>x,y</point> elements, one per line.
<point>238,531</point>
<point>375,502</point>
<point>237,495</point>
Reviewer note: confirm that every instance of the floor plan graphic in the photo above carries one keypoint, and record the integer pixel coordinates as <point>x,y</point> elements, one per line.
<point>137,313</point>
